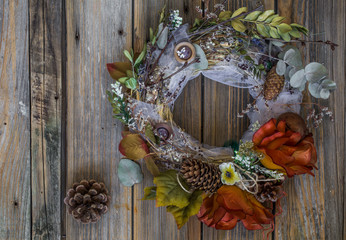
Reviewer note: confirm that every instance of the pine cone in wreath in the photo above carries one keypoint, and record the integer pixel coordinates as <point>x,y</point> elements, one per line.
<point>201,176</point>
<point>271,190</point>
<point>87,201</point>
<point>273,85</point>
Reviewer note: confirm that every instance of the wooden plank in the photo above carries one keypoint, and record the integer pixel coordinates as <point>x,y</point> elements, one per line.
<point>97,33</point>
<point>14,121</point>
<point>221,106</point>
<point>312,208</point>
<point>151,222</point>
<point>46,78</point>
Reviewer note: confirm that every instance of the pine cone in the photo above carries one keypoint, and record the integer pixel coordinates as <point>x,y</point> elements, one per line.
<point>273,85</point>
<point>201,176</point>
<point>87,201</point>
<point>271,190</point>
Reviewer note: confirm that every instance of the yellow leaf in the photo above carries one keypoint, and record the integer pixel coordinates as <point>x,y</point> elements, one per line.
<point>133,147</point>
<point>149,193</point>
<point>169,192</point>
<point>239,11</point>
<point>223,16</point>
<point>182,215</point>
<point>151,166</point>
<point>238,26</point>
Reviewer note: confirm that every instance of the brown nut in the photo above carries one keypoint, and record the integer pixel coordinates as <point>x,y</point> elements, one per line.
<point>164,130</point>
<point>184,52</point>
<point>294,122</point>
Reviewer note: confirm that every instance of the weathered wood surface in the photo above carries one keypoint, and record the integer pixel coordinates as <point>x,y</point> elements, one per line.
<point>56,125</point>
<point>15,202</point>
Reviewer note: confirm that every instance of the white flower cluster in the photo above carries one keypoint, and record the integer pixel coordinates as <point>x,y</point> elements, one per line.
<point>117,89</point>
<point>247,163</point>
<point>175,20</point>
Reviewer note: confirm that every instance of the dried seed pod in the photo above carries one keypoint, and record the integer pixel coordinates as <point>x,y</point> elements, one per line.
<point>273,85</point>
<point>184,52</point>
<point>294,122</point>
<point>164,130</point>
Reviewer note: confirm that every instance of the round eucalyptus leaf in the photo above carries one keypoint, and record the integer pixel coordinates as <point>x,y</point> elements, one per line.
<point>281,68</point>
<point>315,72</point>
<point>324,93</point>
<point>129,172</point>
<point>293,71</point>
<point>302,87</point>
<point>203,62</point>
<point>328,84</point>
<point>298,79</point>
<point>288,69</point>
<point>314,90</point>
<point>163,36</point>
<point>277,43</point>
<point>293,58</point>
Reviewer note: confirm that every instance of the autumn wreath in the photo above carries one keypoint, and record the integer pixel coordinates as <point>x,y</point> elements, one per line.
<point>244,49</point>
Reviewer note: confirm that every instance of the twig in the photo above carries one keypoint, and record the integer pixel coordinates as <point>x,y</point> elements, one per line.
<point>330,43</point>
<point>182,68</point>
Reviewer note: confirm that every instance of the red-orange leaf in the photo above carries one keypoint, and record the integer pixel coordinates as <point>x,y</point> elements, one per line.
<point>133,147</point>
<point>118,69</point>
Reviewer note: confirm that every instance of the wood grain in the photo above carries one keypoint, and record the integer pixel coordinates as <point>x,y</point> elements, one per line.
<point>97,33</point>
<point>46,80</point>
<point>15,200</point>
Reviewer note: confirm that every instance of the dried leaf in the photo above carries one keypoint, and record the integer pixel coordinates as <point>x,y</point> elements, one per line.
<point>169,191</point>
<point>133,147</point>
<point>182,215</point>
<point>129,172</point>
<point>151,166</point>
<point>149,193</point>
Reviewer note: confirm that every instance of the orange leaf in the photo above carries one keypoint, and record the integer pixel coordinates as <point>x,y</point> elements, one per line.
<point>133,147</point>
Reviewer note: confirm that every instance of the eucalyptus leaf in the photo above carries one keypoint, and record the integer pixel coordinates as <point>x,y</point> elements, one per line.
<point>129,172</point>
<point>162,36</point>
<point>302,87</point>
<point>253,16</point>
<point>328,84</point>
<point>131,83</point>
<point>281,68</point>
<point>324,93</point>
<point>265,15</point>
<point>315,72</point>
<point>293,58</point>
<point>298,79</point>
<point>314,90</point>
<point>203,61</point>
<point>288,69</point>
<point>277,43</point>
<point>292,71</point>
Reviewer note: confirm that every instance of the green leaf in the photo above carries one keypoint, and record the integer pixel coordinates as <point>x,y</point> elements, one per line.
<point>129,172</point>
<point>295,33</point>
<point>270,19</point>
<point>265,15</point>
<point>281,68</point>
<point>315,72</point>
<point>123,80</point>
<point>140,57</point>
<point>277,43</point>
<point>162,35</point>
<point>131,83</point>
<point>169,192</point>
<point>197,22</point>
<point>151,34</point>
<point>182,215</point>
<point>301,28</point>
<point>298,79</point>
<point>149,193</point>
<point>162,14</point>
<point>239,11</point>
<point>274,33</point>
<point>277,20</point>
<point>128,55</point>
<point>203,61</point>
<point>262,30</point>
<point>253,16</point>
<point>238,25</point>
<point>149,133</point>
<point>285,36</point>
<point>284,28</point>
<point>223,16</point>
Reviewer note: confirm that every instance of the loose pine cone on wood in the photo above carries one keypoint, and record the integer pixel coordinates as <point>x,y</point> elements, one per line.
<point>87,201</point>
<point>201,176</point>
<point>273,85</point>
<point>271,190</point>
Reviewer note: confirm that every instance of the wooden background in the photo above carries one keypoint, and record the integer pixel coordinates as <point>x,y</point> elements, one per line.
<point>56,125</point>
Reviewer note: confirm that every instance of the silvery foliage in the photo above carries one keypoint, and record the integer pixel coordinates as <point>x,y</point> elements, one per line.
<point>290,65</point>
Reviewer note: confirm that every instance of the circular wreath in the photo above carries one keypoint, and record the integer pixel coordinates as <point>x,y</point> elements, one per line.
<point>241,49</point>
